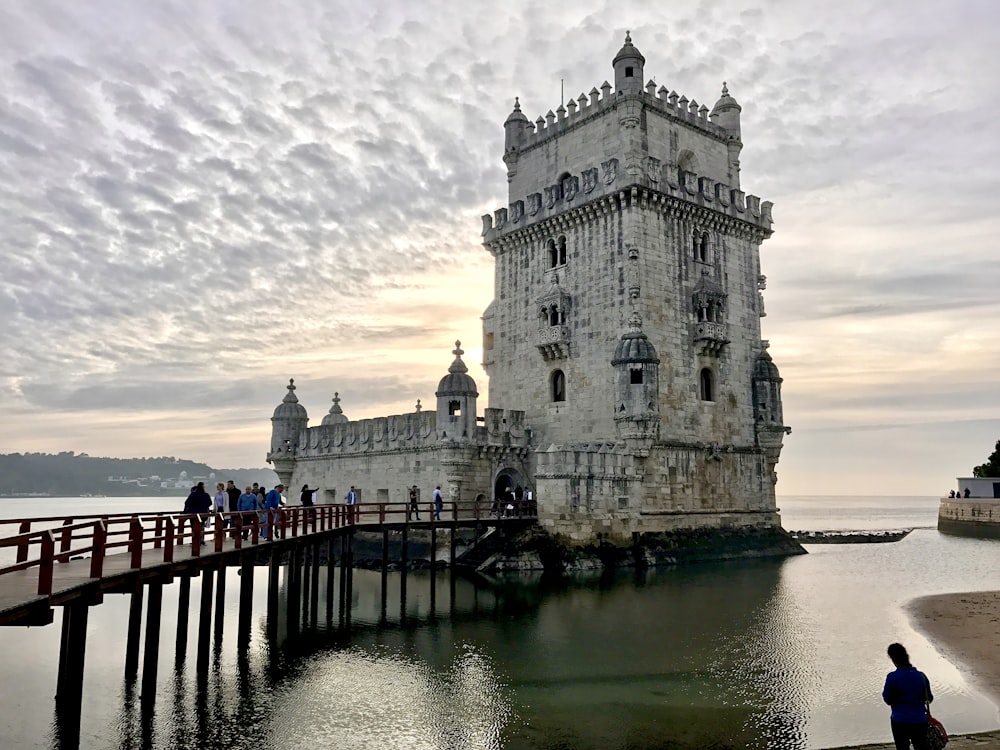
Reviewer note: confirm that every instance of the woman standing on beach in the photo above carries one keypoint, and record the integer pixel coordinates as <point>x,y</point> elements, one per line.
<point>907,691</point>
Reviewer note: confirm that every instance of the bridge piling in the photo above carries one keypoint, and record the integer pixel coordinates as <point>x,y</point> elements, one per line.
<point>403,559</point>
<point>151,647</point>
<point>134,634</point>
<point>343,581</point>
<point>183,612</point>
<point>205,620</point>
<point>433,567</point>
<point>220,609</point>
<point>385,574</point>
<point>349,571</point>
<point>293,604</point>
<point>246,603</point>
<point>329,581</point>
<point>273,582</point>
<point>314,592</point>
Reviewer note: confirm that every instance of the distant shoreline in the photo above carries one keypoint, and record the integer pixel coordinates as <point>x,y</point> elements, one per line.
<point>965,627</point>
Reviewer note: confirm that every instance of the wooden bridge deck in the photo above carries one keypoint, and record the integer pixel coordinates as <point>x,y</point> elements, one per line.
<point>81,559</point>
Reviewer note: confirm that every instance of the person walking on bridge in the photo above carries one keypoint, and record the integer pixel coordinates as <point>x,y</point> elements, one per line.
<point>272,502</point>
<point>438,503</point>
<point>247,505</point>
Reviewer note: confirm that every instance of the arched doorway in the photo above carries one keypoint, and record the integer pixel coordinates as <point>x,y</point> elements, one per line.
<point>506,478</point>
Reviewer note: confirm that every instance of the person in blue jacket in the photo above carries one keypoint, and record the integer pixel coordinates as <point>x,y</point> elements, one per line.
<point>907,691</point>
<point>272,501</point>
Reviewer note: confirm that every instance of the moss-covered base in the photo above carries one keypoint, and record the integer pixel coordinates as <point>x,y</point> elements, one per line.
<point>534,549</point>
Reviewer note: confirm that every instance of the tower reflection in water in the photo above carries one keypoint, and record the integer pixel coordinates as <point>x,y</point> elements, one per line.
<point>681,658</point>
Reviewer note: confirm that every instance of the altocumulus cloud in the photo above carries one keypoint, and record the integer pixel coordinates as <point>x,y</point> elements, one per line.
<point>203,199</point>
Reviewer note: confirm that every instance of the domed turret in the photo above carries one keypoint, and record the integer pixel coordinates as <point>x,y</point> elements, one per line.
<point>456,401</point>
<point>289,420</point>
<point>637,368</point>
<point>726,113</point>
<point>628,68</point>
<point>515,128</point>
<point>336,414</point>
<point>766,391</point>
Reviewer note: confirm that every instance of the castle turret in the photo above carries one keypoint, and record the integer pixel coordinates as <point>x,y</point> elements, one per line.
<point>336,414</point>
<point>628,68</point>
<point>289,420</point>
<point>637,368</point>
<point>726,114</point>
<point>770,428</point>
<point>456,401</point>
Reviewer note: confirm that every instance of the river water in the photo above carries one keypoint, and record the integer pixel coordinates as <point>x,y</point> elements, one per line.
<point>775,654</point>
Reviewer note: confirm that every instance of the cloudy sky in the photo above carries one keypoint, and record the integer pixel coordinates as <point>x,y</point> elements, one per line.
<point>200,200</point>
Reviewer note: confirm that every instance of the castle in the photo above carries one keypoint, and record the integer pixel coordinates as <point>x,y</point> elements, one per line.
<point>623,342</point>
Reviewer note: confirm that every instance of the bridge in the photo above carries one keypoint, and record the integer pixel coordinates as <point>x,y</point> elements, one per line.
<point>73,562</point>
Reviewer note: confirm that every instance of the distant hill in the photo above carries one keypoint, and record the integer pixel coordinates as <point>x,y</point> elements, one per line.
<point>71,474</point>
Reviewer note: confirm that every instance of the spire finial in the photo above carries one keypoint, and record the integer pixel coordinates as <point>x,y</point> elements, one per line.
<point>628,37</point>
<point>457,351</point>
<point>725,91</point>
<point>635,321</point>
<point>290,397</point>
<point>517,103</point>
<point>418,408</point>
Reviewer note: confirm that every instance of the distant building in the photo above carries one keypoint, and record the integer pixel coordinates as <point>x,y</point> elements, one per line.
<point>629,386</point>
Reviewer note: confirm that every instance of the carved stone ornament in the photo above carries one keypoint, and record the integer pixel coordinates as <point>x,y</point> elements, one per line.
<point>570,187</point>
<point>589,179</point>
<point>653,169</point>
<point>500,218</point>
<point>516,211</point>
<point>610,168</point>
<point>550,196</point>
<point>487,223</point>
<point>534,203</point>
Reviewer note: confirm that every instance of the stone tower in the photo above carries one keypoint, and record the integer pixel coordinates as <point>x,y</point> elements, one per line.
<point>625,322</point>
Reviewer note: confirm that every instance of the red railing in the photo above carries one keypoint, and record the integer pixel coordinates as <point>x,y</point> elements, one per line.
<point>135,534</point>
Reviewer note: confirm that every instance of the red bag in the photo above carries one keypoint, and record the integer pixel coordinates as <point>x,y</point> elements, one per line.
<point>937,737</point>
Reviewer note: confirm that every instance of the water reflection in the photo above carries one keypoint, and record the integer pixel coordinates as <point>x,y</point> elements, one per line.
<point>768,654</point>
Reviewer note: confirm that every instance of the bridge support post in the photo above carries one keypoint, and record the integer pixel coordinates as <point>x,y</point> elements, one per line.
<point>205,620</point>
<point>273,582</point>
<point>452,549</point>
<point>183,611</point>
<point>403,559</point>
<point>220,608</point>
<point>314,591</point>
<point>151,648</point>
<point>134,635</point>
<point>72,648</point>
<point>293,613</point>
<point>305,577</point>
<point>329,581</point>
<point>385,573</point>
<point>341,613</point>
<point>433,569</point>
<point>246,603</point>
<point>350,579</point>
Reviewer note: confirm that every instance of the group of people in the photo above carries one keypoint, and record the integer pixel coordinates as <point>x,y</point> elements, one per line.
<point>254,499</point>
<point>953,493</point>
<point>510,502</point>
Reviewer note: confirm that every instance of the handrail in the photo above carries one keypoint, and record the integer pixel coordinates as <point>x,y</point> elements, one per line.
<point>140,533</point>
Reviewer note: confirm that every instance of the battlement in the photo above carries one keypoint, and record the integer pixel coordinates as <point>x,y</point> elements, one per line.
<point>671,104</point>
<point>577,190</point>
<point>501,427</point>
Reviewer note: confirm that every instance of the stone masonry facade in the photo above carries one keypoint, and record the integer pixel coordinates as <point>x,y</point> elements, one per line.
<point>623,342</point>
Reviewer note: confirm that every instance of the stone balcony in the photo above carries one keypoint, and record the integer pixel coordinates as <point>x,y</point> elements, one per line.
<point>553,342</point>
<point>710,337</point>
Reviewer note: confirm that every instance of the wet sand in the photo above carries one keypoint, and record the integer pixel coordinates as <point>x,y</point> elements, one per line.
<point>966,628</point>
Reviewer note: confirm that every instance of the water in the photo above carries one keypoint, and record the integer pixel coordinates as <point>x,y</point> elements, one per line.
<point>782,654</point>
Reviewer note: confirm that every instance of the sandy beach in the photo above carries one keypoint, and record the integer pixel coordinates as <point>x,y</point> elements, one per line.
<point>965,627</point>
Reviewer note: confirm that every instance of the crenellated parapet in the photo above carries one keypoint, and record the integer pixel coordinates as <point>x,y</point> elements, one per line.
<point>663,183</point>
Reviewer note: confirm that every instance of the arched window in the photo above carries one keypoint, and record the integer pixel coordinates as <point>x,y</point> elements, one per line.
<point>707,384</point>
<point>558,382</point>
<point>454,409</point>
<point>553,315</point>
<point>562,250</point>
<point>550,246</point>
<point>703,248</point>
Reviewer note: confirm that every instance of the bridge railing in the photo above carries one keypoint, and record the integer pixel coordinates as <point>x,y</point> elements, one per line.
<point>103,535</point>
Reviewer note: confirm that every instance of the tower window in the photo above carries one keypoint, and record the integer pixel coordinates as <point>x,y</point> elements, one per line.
<point>628,71</point>
<point>454,409</point>
<point>558,382</point>
<point>706,385</point>
<point>550,246</point>
<point>562,250</point>
<point>635,377</point>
